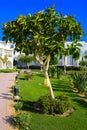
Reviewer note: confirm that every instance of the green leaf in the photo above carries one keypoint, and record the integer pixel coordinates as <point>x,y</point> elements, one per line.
<point>36,36</point>
<point>79,44</point>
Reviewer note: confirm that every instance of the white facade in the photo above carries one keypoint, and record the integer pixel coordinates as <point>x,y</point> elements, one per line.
<point>6,51</point>
<point>69,61</point>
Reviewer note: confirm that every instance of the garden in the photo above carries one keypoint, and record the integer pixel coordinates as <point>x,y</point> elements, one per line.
<point>33,92</point>
<point>48,100</point>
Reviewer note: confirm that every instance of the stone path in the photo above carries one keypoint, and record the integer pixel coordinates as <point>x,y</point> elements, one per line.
<point>6,100</point>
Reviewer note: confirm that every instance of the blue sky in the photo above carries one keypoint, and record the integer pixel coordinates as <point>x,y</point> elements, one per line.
<point>9,10</point>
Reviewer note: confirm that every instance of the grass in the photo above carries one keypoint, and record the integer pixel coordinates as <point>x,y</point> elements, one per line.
<point>31,90</point>
<point>7,70</point>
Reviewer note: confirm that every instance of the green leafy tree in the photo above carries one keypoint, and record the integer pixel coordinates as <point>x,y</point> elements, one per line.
<point>72,49</point>
<point>26,59</point>
<point>42,34</point>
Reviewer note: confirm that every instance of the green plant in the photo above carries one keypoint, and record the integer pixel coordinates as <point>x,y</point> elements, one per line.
<point>22,121</point>
<point>79,80</point>
<point>54,106</point>
<point>31,91</point>
<point>18,106</point>
<point>62,104</point>
<point>83,63</point>
<point>28,76</point>
<point>44,104</point>
<point>59,72</point>
<point>52,71</point>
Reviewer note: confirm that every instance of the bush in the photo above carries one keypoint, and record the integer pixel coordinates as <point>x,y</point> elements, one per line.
<point>83,63</point>
<point>59,72</point>
<point>44,104</point>
<point>28,76</point>
<point>52,71</point>
<point>54,106</point>
<point>79,80</point>
<point>18,106</point>
<point>55,71</point>
<point>22,121</point>
<point>62,104</point>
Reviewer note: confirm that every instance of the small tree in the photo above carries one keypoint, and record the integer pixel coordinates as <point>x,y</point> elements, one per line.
<point>26,59</point>
<point>72,49</point>
<point>43,34</point>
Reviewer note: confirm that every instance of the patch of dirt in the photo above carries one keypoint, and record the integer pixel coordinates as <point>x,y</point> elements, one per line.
<point>85,100</point>
<point>75,90</point>
<point>68,112</point>
<point>81,94</point>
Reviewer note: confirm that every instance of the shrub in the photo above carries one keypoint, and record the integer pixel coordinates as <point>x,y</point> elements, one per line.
<point>28,76</point>
<point>18,106</point>
<point>55,71</point>
<point>44,104</point>
<point>59,72</point>
<point>52,71</point>
<point>83,63</point>
<point>79,80</point>
<point>54,106</point>
<point>22,121</point>
<point>62,104</point>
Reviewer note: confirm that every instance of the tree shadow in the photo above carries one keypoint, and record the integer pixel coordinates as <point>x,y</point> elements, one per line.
<point>9,120</point>
<point>63,87</point>
<point>31,106</point>
<point>6,96</point>
<point>40,75</point>
<point>80,102</point>
<point>21,78</point>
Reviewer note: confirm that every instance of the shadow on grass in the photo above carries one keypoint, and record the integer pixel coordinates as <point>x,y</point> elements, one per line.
<point>21,78</point>
<point>40,75</point>
<point>63,87</point>
<point>31,106</point>
<point>80,102</point>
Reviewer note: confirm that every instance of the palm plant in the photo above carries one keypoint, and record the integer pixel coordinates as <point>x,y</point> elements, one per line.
<point>4,60</point>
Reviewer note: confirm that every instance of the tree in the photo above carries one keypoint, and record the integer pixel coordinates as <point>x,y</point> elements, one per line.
<point>42,34</point>
<point>72,49</point>
<point>26,59</point>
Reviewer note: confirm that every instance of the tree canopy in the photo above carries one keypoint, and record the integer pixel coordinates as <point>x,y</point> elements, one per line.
<point>43,34</point>
<point>45,31</point>
<point>26,59</point>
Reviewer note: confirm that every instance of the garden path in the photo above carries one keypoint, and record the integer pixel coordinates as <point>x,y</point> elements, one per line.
<point>6,100</point>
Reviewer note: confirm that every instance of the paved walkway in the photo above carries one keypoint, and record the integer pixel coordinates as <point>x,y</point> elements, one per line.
<point>6,108</point>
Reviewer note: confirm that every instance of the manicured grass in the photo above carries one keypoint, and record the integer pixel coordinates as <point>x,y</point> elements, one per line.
<point>31,90</point>
<point>7,70</point>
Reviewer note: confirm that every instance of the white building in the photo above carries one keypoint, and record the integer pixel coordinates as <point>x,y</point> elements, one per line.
<point>69,61</point>
<point>7,50</point>
<point>6,55</point>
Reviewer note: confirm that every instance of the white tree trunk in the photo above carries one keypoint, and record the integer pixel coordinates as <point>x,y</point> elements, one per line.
<point>65,64</point>
<point>45,65</point>
<point>48,84</point>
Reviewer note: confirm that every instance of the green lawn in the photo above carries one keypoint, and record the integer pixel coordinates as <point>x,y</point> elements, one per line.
<point>7,70</point>
<point>31,90</point>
